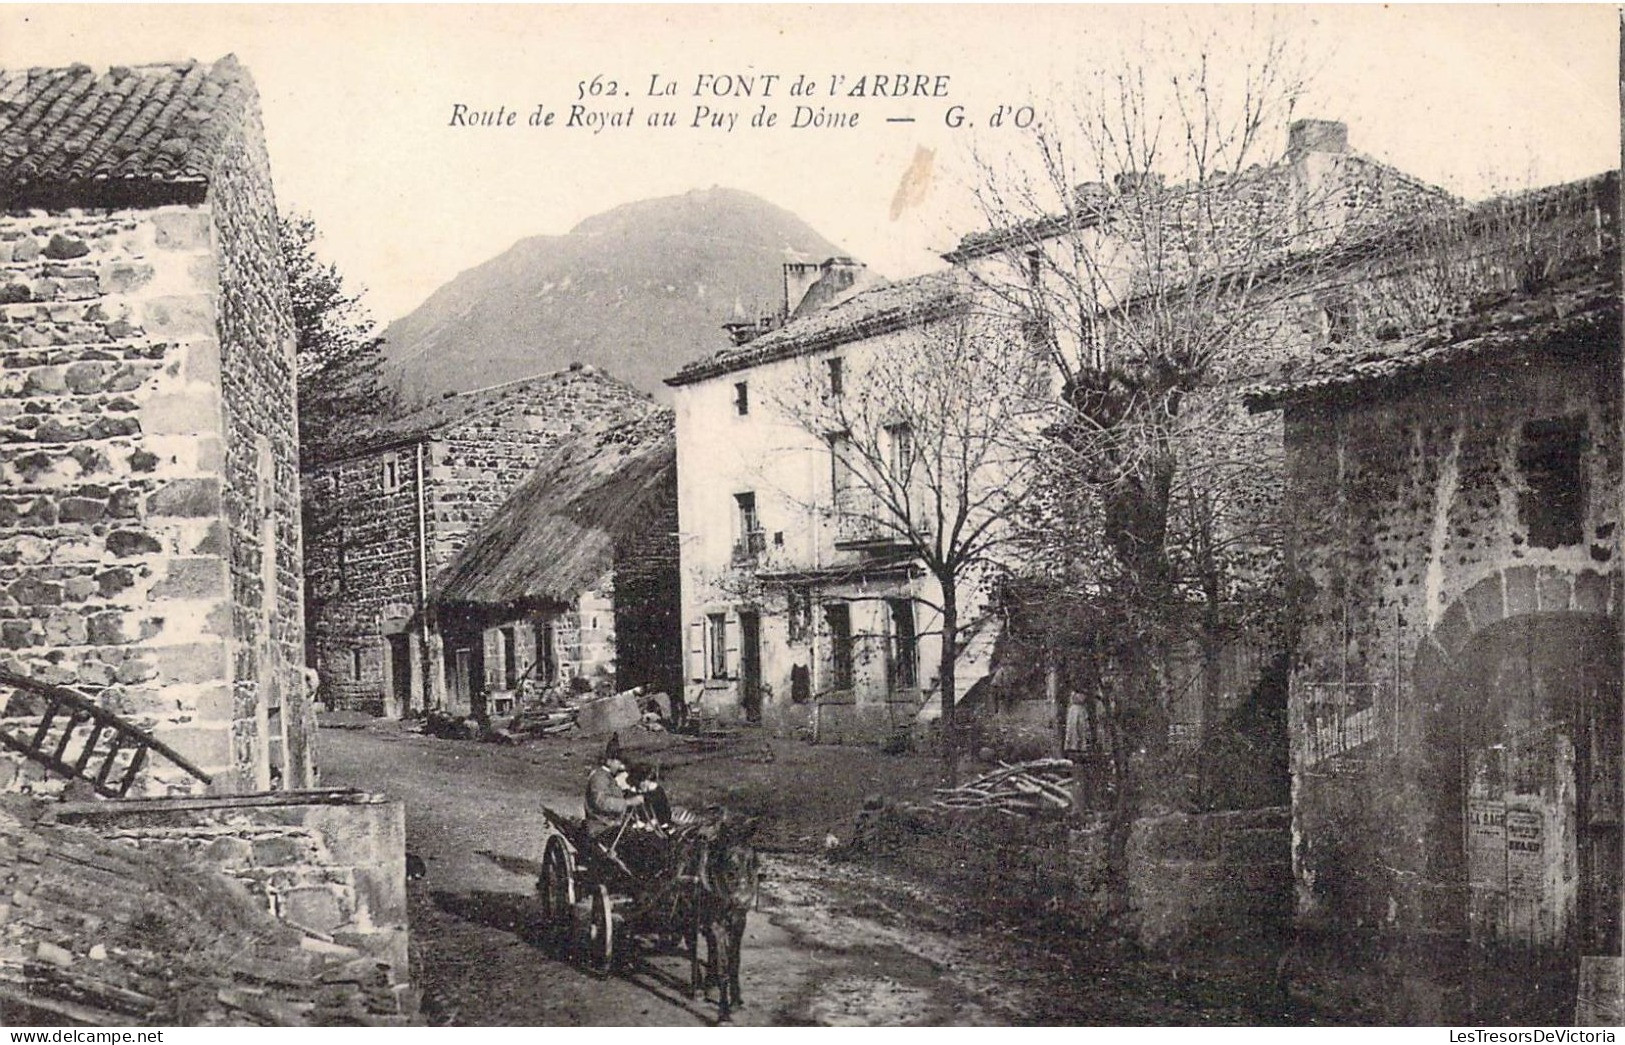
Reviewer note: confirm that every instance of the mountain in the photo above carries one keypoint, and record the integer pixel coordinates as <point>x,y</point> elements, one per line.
<point>638,291</point>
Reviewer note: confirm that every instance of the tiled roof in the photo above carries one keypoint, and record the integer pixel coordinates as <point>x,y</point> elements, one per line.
<point>1089,213</point>
<point>146,134</point>
<point>1580,313</point>
<point>458,407</point>
<point>880,310</point>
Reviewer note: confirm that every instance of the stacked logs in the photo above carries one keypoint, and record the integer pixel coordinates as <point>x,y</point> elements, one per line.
<point>1021,790</point>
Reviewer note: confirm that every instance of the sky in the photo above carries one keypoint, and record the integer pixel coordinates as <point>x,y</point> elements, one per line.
<point>360,107</point>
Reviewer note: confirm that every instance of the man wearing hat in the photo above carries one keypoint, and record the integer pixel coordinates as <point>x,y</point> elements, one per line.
<point>608,800</point>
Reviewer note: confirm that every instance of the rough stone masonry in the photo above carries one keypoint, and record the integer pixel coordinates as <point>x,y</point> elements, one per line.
<point>149,529</point>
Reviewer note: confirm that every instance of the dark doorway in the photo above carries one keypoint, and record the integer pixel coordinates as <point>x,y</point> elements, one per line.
<point>1528,752</point>
<point>750,664</point>
<point>400,673</point>
<point>468,680</point>
<point>544,669</point>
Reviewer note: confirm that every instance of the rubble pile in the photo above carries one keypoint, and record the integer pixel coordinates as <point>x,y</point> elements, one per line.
<point>1020,790</point>
<point>97,933</point>
<point>555,712</point>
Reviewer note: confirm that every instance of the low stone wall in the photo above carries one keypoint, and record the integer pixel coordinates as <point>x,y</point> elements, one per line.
<point>1194,879</point>
<point>1195,875</point>
<point>331,863</point>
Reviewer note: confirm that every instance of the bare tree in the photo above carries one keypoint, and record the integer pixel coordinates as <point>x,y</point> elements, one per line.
<point>929,433</point>
<point>1165,248</point>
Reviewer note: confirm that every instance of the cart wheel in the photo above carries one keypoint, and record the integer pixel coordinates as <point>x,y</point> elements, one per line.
<point>601,930</point>
<point>558,889</point>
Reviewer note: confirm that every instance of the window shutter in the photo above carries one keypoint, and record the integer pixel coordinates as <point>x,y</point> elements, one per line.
<point>731,630</point>
<point>696,651</point>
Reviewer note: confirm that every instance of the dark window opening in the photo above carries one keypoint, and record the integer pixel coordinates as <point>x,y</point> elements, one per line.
<point>1552,505</point>
<point>835,376</point>
<point>355,664</point>
<point>840,468</point>
<point>741,399</point>
<point>838,618</point>
<point>716,643</point>
<point>905,645</point>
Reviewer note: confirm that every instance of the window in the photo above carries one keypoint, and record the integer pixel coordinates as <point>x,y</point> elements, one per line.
<point>716,645</point>
<point>392,473</point>
<point>750,541</point>
<point>355,663</point>
<point>835,375</point>
<point>838,619</point>
<point>799,613</point>
<point>1035,268</point>
<point>905,653</point>
<point>902,450</point>
<point>1552,505</point>
<point>840,467</point>
<point>741,399</point>
<point>344,570</point>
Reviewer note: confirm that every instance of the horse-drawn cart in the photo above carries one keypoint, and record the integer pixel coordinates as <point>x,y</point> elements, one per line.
<point>696,882</point>
<point>583,877</point>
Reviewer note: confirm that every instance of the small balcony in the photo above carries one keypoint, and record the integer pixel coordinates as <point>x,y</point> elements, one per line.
<point>863,522</point>
<point>749,548</point>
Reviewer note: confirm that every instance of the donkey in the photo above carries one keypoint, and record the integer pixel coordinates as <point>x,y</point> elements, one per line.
<point>725,875</point>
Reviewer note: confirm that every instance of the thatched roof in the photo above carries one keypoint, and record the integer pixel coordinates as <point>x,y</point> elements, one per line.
<point>555,537</point>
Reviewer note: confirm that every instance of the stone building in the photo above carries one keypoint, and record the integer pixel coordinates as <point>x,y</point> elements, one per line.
<point>1454,500</point>
<point>385,519</point>
<point>149,515</point>
<point>1138,271</point>
<point>572,584</point>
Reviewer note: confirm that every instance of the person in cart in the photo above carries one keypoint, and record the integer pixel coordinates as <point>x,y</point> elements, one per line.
<point>621,815</point>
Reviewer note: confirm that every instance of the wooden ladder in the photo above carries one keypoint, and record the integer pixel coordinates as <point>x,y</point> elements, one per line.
<point>71,718</point>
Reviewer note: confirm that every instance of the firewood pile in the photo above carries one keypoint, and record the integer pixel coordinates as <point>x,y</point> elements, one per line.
<point>545,721</point>
<point>1020,790</point>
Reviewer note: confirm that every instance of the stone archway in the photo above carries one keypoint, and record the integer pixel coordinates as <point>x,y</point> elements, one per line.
<point>1518,689</point>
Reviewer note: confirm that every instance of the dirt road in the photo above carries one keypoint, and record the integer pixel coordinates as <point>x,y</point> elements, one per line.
<point>832,945</point>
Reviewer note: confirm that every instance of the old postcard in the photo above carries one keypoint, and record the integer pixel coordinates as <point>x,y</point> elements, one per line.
<point>900,515</point>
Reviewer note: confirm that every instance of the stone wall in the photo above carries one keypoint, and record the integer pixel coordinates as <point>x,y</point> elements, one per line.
<point>114,559</point>
<point>370,547</point>
<point>332,863</point>
<point>478,460</point>
<point>1212,879</point>
<point>149,547</point>
<point>272,727</point>
<point>362,573</point>
<point>1458,669</point>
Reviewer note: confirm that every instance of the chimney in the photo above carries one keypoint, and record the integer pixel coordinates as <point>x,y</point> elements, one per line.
<point>799,276</point>
<point>1131,182</point>
<point>1090,195</point>
<point>836,276</point>
<point>1306,136</point>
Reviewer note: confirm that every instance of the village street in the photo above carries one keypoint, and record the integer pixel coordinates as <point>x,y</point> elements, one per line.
<point>834,943</point>
<point>827,948</point>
